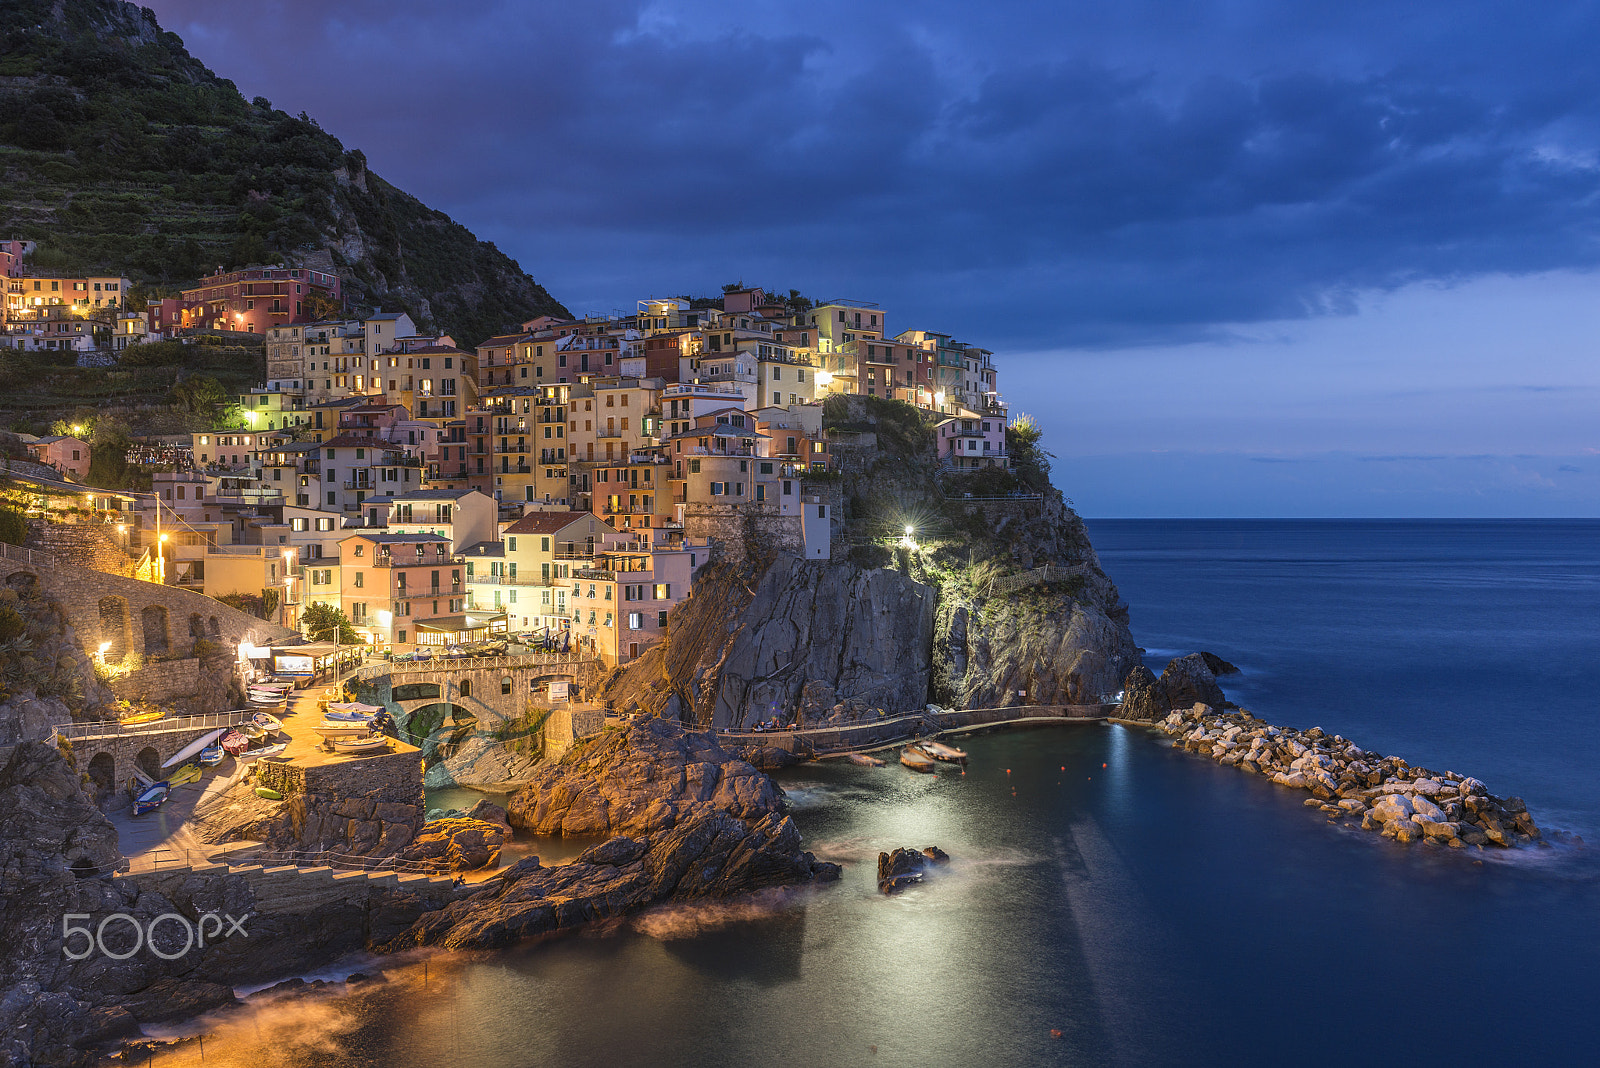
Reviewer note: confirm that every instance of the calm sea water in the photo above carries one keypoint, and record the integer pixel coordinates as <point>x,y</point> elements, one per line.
<point>1145,904</point>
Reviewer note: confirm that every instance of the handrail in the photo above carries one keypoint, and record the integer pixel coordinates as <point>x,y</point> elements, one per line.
<point>23,554</point>
<point>373,671</point>
<point>312,858</point>
<point>111,728</point>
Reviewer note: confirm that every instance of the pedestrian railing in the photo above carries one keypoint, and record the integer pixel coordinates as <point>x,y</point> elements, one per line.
<point>110,728</point>
<point>311,858</point>
<point>23,555</point>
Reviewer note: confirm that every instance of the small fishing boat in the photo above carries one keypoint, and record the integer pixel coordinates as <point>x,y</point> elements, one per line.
<point>269,793</point>
<point>372,743</point>
<point>271,724</point>
<point>264,751</point>
<point>352,710</point>
<point>330,731</point>
<point>151,797</point>
<point>233,742</point>
<point>134,719</point>
<point>186,774</point>
<point>917,760</point>
<point>866,760</point>
<point>252,732</point>
<point>940,751</point>
<point>210,756</point>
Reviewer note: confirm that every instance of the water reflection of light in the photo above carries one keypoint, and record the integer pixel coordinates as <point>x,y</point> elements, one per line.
<point>1117,776</point>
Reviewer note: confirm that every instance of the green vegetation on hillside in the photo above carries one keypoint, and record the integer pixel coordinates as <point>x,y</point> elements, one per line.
<point>121,152</point>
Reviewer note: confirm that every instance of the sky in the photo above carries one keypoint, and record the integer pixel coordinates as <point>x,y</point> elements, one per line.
<point>1238,258</point>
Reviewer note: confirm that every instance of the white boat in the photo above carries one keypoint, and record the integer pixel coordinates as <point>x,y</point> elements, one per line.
<point>940,751</point>
<point>866,760</point>
<point>271,724</point>
<point>194,747</point>
<point>265,751</point>
<point>343,729</point>
<point>370,744</point>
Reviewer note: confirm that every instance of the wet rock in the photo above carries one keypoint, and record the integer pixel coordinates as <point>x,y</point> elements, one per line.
<point>1216,665</point>
<point>905,867</point>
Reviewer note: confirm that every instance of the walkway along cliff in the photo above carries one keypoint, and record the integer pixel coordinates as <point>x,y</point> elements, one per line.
<point>994,598</point>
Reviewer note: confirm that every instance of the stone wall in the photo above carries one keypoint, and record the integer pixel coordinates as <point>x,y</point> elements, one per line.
<point>567,725</point>
<point>140,617</point>
<point>161,681</point>
<point>742,530</point>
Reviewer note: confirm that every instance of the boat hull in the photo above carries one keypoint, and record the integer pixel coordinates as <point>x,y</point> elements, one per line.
<point>152,798</point>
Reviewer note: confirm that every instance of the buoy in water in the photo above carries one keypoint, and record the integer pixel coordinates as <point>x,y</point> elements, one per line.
<point>1055,1032</point>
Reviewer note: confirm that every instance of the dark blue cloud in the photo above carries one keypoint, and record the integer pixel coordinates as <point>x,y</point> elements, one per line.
<point>1023,174</point>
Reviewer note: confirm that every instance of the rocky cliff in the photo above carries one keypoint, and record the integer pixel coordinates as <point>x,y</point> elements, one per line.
<point>690,822</point>
<point>996,598</point>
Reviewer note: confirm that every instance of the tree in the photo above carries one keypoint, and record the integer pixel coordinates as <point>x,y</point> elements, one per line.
<point>13,526</point>
<point>1029,461</point>
<point>200,395</point>
<point>321,621</point>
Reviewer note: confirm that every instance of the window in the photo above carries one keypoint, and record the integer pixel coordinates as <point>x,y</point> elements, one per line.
<point>466,687</point>
<point>505,684</point>
<point>661,618</point>
<point>663,591</point>
<point>635,620</point>
<point>716,489</point>
<point>361,579</point>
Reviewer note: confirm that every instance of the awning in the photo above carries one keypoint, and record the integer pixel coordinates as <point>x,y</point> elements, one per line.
<point>466,622</point>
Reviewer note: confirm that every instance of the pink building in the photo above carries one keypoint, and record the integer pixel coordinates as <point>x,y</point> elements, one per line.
<point>66,454</point>
<point>252,299</point>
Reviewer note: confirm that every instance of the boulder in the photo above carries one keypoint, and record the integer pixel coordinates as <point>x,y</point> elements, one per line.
<point>464,844</point>
<point>1422,808</point>
<point>904,867</point>
<point>1217,665</point>
<point>1188,681</point>
<point>1142,698</point>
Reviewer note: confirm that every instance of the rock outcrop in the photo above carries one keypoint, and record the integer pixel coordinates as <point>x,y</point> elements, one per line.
<point>1186,681</point>
<point>365,825</point>
<point>640,780</point>
<point>689,820</point>
<point>461,843</point>
<point>1388,795</point>
<point>906,867</point>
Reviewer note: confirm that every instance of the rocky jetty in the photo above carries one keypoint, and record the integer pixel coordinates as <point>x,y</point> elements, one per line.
<point>690,822</point>
<point>905,867</point>
<point>640,780</point>
<point>1387,795</point>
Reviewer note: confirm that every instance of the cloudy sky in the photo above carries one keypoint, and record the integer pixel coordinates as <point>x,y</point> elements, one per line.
<point>1239,258</point>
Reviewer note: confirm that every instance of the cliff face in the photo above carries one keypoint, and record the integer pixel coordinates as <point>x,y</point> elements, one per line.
<point>997,598</point>
<point>820,639</point>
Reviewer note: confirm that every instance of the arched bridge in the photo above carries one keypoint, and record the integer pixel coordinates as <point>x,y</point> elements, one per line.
<point>109,753</point>
<point>490,691</point>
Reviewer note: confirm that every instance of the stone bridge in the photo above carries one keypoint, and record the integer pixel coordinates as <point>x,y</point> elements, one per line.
<point>108,752</point>
<point>130,616</point>
<point>484,693</point>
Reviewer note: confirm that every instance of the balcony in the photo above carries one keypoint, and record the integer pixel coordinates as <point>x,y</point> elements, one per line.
<point>513,580</point>
<point>512,449</point>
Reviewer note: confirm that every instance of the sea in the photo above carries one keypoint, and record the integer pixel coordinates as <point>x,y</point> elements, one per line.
<point>1111,900</point>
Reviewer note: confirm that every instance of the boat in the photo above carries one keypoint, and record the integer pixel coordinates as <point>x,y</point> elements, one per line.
<point>233,742</point>
<point>866,760</point>
<point>149,715</point>
<point>351,710</point>
<point>151,797</point>
<point>917,760</point>
<point>252,732</point>
<point>269,793</point>
<point>271,724</point>
<point>186,774</point>
<point>343,729</point>
<point>370,744</point>
<point>205,740</point>
<point>210,756</point>
<point>264,751</point>
<point>940,751</point>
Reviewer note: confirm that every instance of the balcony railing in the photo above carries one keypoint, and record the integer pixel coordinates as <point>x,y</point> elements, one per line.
<point>513,580</point>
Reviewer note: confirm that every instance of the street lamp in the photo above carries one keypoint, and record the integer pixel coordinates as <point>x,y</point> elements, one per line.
<point>161,556</point>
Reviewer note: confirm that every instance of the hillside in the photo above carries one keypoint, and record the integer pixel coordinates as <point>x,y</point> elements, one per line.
<point>120,151</point>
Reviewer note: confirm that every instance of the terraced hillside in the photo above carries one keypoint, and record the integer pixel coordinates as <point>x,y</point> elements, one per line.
<point>120,151</point>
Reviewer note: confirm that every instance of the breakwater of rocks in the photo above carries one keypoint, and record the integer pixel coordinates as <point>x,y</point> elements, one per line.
<point>1388,795</point>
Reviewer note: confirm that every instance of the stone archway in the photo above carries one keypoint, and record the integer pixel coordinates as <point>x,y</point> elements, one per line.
<point>114,626</point>
<point>22,580</point>
<point>103,773</point>
<point>149,762</point>
<point>423,722</point>
<point>197,626</point>
<point>156,639</point>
